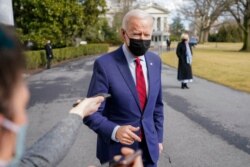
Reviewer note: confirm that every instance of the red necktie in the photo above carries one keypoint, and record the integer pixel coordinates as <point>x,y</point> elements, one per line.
<point>140,84</point>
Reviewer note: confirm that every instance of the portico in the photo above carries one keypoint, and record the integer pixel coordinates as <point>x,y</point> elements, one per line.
<point>160,27</point>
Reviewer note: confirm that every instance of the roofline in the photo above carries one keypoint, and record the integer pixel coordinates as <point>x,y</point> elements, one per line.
<point>154,5</point>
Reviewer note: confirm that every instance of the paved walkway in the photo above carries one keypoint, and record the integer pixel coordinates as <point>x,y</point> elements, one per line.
<point>205,126</point>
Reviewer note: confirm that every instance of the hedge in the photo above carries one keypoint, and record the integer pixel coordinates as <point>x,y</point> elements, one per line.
<point>37,59</point>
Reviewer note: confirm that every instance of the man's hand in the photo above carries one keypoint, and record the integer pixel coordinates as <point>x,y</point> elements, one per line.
<point>125,134</point>
<point>160,148</point>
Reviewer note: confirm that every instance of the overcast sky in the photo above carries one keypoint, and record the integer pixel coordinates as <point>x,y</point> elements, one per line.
<point>170,4</point>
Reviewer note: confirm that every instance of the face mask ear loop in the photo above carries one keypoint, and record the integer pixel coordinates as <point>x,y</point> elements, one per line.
<point>125,33</point>
<point>8,124</point>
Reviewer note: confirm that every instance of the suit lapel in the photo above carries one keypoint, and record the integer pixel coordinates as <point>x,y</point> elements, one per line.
<point>125,72</point>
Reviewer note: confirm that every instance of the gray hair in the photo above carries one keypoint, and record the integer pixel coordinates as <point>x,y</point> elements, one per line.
<point>136,13</point>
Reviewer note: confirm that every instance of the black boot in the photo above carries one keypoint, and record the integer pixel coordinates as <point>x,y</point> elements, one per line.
<point>182,85</point>
<point>185,86</point>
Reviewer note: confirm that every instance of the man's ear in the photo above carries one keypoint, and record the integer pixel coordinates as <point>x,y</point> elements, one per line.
<point>122,32</point>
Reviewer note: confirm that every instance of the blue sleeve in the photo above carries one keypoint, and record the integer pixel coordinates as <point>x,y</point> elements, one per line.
<point>97,121</point>
<point>158,113</point>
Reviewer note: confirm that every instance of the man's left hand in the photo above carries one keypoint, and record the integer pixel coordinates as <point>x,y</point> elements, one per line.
<point>160,148</point>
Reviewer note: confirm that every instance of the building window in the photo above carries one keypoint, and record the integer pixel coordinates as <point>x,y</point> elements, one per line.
<point>164,38</point>
<point>158,24</point>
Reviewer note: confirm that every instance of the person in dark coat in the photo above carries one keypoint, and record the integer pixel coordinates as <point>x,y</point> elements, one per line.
<point>184,53</point>
<point>49,53</point>
<point>168,44</point>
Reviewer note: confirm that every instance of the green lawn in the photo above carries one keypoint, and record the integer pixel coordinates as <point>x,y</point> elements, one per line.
<point>221,63</point>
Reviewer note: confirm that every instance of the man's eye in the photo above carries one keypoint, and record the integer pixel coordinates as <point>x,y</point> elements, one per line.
<point>136,36</point>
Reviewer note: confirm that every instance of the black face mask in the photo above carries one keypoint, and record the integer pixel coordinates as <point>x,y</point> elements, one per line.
<point>138,46</point>
<point>184,40</point>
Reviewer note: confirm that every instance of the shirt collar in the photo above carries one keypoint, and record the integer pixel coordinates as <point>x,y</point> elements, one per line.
<point>130,58</point>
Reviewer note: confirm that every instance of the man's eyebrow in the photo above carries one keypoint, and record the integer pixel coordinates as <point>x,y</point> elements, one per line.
<point>137,32</point>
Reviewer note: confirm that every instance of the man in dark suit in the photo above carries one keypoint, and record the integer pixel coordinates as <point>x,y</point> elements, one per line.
<point>133,116</point>
<point>49,53</point>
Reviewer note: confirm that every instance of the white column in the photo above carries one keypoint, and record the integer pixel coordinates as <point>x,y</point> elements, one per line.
<point>167,27</point>
<point>158,24</point>
<point>155,23</point>
<point>6,12</point>
<point>166,23</point>
<point>162,24</point>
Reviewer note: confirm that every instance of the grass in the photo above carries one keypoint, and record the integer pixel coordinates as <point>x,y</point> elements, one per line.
<point>112,48</point>
<point>221,63</point>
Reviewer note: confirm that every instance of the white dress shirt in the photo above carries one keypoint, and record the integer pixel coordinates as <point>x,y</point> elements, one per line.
<point>132,67</point>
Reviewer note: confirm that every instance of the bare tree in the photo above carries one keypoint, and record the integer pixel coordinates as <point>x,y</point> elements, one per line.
<point>125,6</point>
<point>241,12</point>
<point>204,13</point>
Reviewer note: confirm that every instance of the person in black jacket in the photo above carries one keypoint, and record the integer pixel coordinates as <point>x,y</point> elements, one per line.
<point>184,53</point>
<point>168,44</point>
<point>49,53</point>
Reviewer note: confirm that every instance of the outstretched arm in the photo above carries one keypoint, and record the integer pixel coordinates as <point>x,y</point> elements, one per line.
<point>50,149</point>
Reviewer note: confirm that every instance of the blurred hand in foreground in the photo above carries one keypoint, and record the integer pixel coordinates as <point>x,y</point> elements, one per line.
<point>87,106</point>
<point>137,162</point>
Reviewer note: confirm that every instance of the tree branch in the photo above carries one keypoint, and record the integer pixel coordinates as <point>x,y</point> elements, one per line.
<point>237,20</point>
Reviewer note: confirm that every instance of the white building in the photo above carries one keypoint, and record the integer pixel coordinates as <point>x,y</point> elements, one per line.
<point>159,13</point>
<point>161,26</point>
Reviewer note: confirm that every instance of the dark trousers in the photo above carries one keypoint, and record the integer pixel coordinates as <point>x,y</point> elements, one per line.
<point>168,48</point>
<point>48,63</point>
<point>147,162</point>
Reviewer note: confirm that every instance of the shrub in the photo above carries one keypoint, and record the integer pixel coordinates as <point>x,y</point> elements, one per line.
<point>227,33</point>
<point>37,59</point>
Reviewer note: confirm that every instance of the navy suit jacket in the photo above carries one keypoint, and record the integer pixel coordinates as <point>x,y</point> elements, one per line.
<point>111,75</point>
